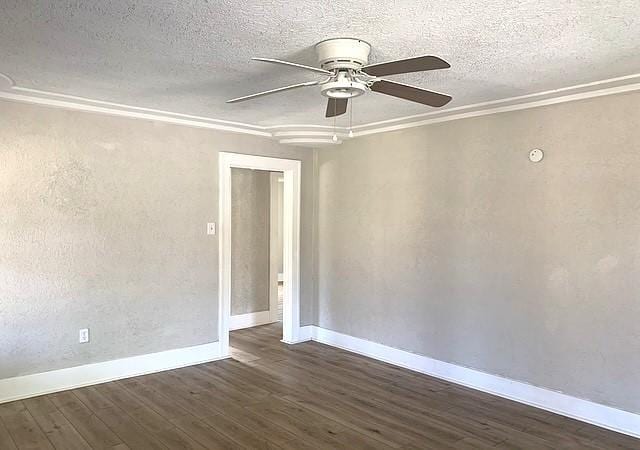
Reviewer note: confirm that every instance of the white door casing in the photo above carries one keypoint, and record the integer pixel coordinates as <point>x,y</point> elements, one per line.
<point>291,170</point>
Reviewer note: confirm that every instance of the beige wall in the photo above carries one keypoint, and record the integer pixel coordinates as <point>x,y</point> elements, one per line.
<point>443,240</point>
<point>447,241</point>
<point>103,225</point>
<point>250,217</point>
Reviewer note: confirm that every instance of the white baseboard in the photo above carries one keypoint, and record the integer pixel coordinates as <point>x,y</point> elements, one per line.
<point>305,334</point>
<point>557,402</point>
<point>249,320</point>
<point>26,386</point>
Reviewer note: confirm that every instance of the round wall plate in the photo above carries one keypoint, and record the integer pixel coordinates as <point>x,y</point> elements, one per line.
<point>536,155</point>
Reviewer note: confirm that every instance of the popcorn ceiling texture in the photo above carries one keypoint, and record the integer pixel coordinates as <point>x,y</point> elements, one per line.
<point>190,56</point>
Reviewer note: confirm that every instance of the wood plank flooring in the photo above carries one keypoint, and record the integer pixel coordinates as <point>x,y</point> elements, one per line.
<point>274,396</point>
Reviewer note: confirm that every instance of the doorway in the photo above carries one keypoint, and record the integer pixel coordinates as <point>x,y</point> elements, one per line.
<point>276,246</point>
<point>291,177</point>
<point>256,248</point>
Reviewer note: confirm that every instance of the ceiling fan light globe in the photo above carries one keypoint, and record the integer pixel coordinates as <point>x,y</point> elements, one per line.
<point>343,88</point>
<point>340,93</point>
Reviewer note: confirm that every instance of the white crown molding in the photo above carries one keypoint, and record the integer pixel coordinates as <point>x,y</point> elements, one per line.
<point>556,402</point>
<point>600,88</point>
<point>310,141</point>
<point>27,95</point>
<point>312,138</point>
<point>317,135</point>
<point>6,83</point>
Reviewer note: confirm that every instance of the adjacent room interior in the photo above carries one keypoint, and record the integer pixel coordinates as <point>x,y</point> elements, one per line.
<point>257,279</point>
<point>303,225</point>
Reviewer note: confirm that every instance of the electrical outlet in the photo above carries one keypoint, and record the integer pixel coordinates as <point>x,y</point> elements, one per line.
<point>83,336</point>
<point>211,228</point>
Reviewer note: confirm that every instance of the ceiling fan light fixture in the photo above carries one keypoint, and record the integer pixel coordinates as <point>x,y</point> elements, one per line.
<point>339,93</point>
<point>345,64</point>
<point>343,86</point>
<point>344,91</point>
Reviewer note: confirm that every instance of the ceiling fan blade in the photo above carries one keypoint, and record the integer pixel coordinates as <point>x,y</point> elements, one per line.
<point>411,93</point>
<point>417,64</point>
<point>336,107</point>
<point>299,66</point>
<point>272,91</point>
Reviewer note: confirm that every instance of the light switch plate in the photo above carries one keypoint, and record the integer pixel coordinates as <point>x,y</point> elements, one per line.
<point>211,228</point>
<point>83,336</point>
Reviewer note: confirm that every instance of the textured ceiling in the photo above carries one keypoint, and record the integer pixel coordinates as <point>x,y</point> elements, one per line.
<point>189,56</point>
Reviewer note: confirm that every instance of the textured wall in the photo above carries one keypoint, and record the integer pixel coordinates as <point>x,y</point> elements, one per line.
<point>103,225</point>
<point>446,241</point>
<point>250,210</point>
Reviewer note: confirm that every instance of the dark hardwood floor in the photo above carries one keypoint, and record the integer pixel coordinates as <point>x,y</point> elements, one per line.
<point>270,395</point>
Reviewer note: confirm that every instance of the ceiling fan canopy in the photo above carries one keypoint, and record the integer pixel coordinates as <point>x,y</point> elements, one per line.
<point>345,64</point>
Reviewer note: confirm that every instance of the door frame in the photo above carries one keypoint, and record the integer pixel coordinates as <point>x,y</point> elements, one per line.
<point>292,170</point>
<point>275,213</point>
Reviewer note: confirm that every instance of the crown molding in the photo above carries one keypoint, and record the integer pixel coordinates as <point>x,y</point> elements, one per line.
<point>599,88</point>
<point>309,137</point>
<point>318,135</point>
<point>6,83</point>
<point>36,96</point>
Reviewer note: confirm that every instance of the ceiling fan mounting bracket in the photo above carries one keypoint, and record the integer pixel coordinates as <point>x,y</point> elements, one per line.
<point>343,53</point>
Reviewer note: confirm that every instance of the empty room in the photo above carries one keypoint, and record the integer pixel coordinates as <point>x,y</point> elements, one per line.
<point>319,225</point>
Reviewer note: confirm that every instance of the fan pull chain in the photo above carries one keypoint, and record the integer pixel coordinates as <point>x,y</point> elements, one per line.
<point>351,118</point>
<point>335,111</point>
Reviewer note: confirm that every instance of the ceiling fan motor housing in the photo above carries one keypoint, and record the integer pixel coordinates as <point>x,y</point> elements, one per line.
<point>342,56</point>
<point>343,53</point>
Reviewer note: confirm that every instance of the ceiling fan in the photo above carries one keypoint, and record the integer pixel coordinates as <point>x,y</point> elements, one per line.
<point>344,62</point>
